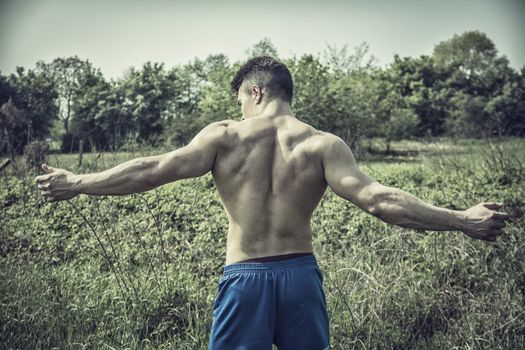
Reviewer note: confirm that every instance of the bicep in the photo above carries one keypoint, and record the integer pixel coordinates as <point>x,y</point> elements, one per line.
<point>345,178</point>
<point>193,160</point>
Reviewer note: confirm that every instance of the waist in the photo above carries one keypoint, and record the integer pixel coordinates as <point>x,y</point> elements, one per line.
<point>280,262</point>
<point>242,245</point>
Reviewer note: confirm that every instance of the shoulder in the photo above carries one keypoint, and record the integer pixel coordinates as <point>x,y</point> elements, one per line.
<point>327,143</point>
<point>332,150</point>
<point>322,138</point>
<point>224,123</point>
<point>219,128</point>
<point>318,141</point>
<point>221,125</point>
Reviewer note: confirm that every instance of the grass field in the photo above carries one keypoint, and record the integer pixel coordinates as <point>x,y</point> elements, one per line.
<point>141,271</point>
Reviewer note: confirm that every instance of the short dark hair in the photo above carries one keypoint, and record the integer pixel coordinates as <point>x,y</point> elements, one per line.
<point>269,74</point>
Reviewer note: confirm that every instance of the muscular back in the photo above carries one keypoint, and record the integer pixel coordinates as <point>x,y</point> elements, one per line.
<point>270,177</point>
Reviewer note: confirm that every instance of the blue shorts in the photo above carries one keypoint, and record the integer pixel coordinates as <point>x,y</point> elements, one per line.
<point>278,302</point>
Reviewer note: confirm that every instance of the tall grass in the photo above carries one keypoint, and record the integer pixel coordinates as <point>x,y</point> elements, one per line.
<point>141,271</point>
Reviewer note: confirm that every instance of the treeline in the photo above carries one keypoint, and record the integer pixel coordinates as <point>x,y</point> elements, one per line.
<point>465,88</point>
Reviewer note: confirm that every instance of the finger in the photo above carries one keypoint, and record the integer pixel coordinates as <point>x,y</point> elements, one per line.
<point>498,231</point>
<point>51,199</point>
<point>498,224</point>
<point>493,235</point>
<point>492,205</point>
<point>500,216</point>
<point>44,186</point>
<point>47,168</point>
<point>488,237</point>
<point>42,178</point>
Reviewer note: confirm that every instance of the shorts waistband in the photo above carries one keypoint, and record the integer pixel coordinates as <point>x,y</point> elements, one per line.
<point>245,267</point>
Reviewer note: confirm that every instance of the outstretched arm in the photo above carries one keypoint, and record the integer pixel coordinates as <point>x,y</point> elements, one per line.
<point>137,175</point>
<point>398,207</point>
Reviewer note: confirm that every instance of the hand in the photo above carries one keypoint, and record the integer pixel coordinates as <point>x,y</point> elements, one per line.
<point>484,222</point>
<point>56,184</point>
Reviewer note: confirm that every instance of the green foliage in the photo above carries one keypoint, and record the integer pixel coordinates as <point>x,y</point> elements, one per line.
<point>217,102</point>
<point>481,84</point>
<point>420,82</point>
<point>141,271</point>
<point>69,76</point>
<point>27,109</point>
<point>341,62</point>
<point>185,121</point>
<point>472,51</point>
<point>264,47</point>
<point>148,96</point>
<point>464,89</point>
<point>310,103</point>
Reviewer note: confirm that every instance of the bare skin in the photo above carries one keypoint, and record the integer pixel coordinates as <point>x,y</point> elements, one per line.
<point>271,171</point>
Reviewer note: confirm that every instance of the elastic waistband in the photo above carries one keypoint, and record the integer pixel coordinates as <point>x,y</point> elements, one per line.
<point>303,261</point>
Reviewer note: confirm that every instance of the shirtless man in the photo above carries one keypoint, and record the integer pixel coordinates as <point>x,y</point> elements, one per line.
<point>271,171</point>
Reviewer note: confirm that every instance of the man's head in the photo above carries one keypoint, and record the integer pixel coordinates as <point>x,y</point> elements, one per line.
<point>262,78</point>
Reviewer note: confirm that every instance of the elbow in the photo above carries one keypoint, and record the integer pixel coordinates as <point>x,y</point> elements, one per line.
<point>148,177</point>
<point>375,197</point>
<point>374,209</point>
<point>382,204</point>
<point>378,209</point>
<point>148,183</point>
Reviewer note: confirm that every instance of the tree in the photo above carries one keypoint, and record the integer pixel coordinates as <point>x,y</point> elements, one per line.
<point>98,118</point>
<point>340,61</point>
<point>110,115</point>
<point>202,95</point>
<point>339,102</point>
<point>485,91</point>
<point>67,74</point>
<point>420,82</point>
<point>149,96</point>
<point>30,108</point>
<point>10,116</point>
<point>217,100</point>
<point>507,108</point>
<point>313,104</point>
<point>470,49</point>
<point>264,47</point>
<point>467,115</point>
<point>395,119</point>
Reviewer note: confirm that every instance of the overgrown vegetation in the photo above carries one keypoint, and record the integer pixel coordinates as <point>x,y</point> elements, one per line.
<point>465,88</point>
<point>141,271</point>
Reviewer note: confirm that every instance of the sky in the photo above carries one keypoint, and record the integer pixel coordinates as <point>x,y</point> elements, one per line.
<point>117,34</point>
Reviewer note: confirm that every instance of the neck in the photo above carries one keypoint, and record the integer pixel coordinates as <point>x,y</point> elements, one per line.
<point>274,108</point>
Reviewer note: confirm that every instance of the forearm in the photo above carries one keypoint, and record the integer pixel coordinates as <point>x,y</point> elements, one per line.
<point>400,208</point>
<point>133,176</point>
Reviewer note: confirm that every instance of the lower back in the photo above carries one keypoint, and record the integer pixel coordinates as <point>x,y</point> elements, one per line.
<point>270,179</point>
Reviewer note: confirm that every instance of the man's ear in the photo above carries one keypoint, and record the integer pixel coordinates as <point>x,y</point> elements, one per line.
<point>257,93</point>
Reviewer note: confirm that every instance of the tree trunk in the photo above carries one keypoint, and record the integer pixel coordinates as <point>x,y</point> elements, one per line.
<point>5,164</point>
